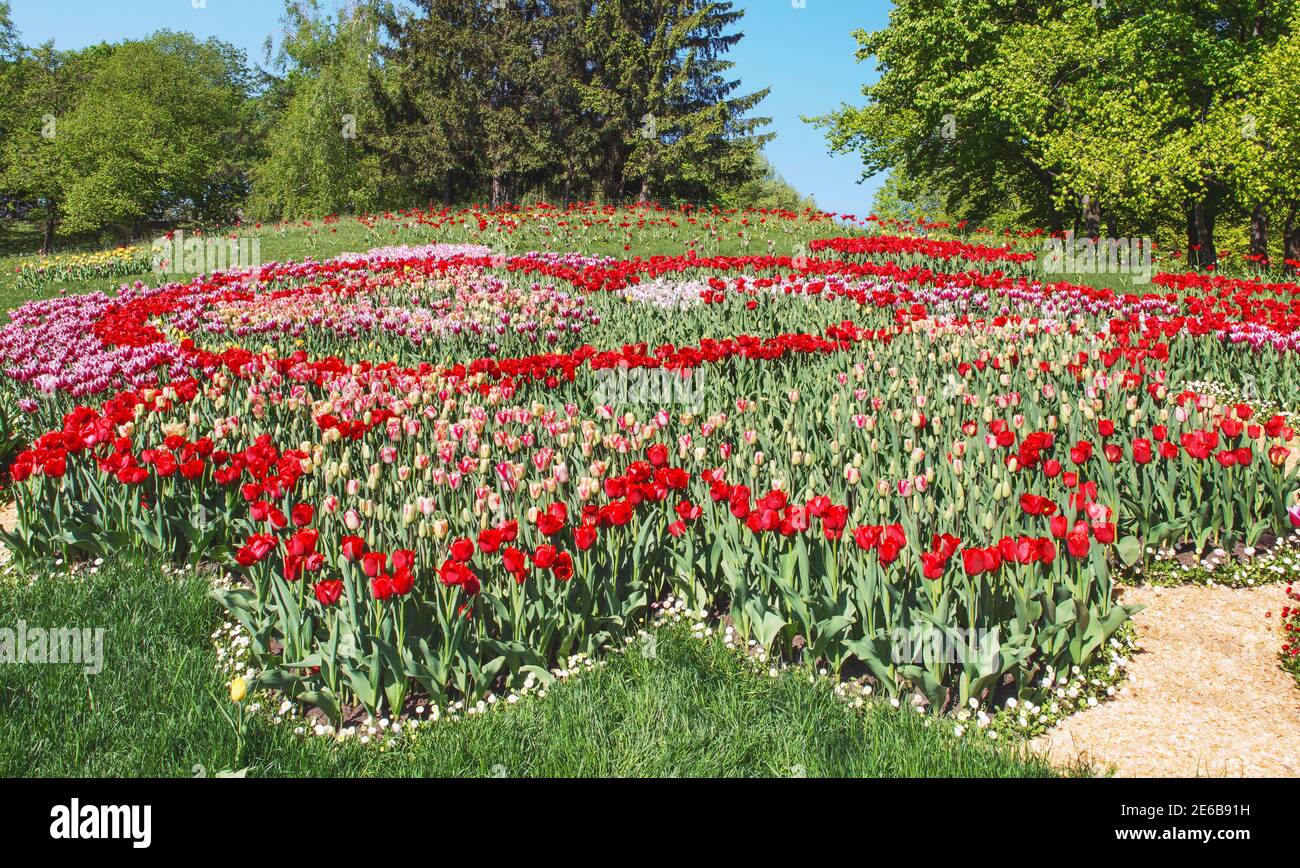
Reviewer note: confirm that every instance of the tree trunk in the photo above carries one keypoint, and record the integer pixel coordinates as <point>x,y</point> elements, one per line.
<point>1091,217</point>
<point>496,191</point>
<point>1259,234</point>
<point>1055,223</point>
<point>1200,235</point>
<point>1291,241</point>
<point>47,246</point>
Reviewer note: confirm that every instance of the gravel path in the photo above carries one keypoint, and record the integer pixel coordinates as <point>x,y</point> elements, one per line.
<point>1206,696</point>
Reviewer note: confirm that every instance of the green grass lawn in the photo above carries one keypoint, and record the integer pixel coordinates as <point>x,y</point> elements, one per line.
<point>692,709</point>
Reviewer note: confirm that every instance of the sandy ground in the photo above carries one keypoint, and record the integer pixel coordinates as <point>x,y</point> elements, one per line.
<point>1206,696</point>
<point>8,518</point>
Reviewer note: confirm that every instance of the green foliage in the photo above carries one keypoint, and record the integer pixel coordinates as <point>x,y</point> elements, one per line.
<point>933,113</point>
<point>153,135</point>
<point>571,98</point>
<point>42,86</point>
<point>660,92</point>
<point>766,190</point>
<point>9,43</point>
<point>316,161</point>
<point>1128,116</point>
<point>383,105</point>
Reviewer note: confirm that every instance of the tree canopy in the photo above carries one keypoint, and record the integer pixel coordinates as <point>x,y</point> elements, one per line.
<point>383,105</point>
<point>1136,116</point>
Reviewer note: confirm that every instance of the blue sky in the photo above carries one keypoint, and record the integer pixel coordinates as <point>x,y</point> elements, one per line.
<point>804,54</point>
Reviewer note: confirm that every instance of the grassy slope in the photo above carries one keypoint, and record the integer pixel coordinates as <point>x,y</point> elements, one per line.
<point>694,709</point>
<point>321,241</point>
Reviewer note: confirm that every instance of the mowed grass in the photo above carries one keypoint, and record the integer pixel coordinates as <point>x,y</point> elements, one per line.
<point>693,708</point>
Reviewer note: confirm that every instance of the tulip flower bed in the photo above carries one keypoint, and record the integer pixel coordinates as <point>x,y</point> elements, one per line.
<point>427,468</point>
<point>42,271</point>
<point>1291,633</point>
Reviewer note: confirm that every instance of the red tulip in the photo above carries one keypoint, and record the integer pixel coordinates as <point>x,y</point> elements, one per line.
<point>584,536</point>
<point>933,565</point>
<point>1142,451</point>
<point>544,557</point>
<point>302,514</point>
<point>402,581</point>
<point>303,542</point>
<point>888,550</point>
<point>1033,504</point>
<point>403,559</point>
<point>374,563</point>
<point>867,537</point>
<point>353,548</point>
<point>462,549</point>
<point>549,525</point>
<point>514,560</point>
<point>329,591</point>
<point>381,586</point>
<point>1104,532</point>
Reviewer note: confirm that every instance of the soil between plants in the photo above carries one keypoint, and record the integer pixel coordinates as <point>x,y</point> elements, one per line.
<point>1205,697</point>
